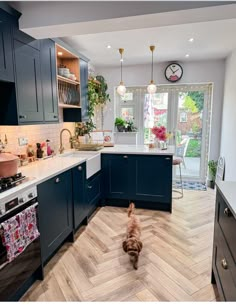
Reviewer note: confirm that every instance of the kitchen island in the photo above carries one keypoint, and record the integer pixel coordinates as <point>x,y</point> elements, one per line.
<point>137,173</point>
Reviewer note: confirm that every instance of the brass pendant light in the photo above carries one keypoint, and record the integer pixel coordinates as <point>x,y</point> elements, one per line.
<point>152,88</point>
<point>121,88</point>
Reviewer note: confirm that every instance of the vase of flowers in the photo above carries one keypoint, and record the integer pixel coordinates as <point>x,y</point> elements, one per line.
<point>161,136</point>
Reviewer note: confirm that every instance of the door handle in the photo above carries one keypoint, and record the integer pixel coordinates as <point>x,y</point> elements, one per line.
<point>227,212</point>
<point>22,116</point>
<point>224,264</point>
<point>90,186</point>
<point>125,157</point>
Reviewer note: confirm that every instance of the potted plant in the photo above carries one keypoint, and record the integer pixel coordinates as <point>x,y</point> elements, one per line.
<point>120,124</point>
<point>212,165</point>
<point>130,126</point>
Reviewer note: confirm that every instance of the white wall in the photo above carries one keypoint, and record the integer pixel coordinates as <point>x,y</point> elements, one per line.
<point>194,72</point>
<point>228,142</point>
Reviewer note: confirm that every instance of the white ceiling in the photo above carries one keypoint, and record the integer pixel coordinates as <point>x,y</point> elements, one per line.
<point>212,40</point>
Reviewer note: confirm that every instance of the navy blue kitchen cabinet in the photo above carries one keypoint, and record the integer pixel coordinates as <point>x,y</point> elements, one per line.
<point>116,172</point>
<point>79,194</point>
<point>49,80</point>
<point>147,180</point>
<point>153,178</point>
<point>93,192</point>
<point>55,213</point>
<point>6,56</point>
<point>86,194</point>
<point>28,83</point>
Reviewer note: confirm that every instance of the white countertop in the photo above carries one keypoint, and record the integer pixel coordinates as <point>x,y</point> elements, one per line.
<point>45,169</point>
<point>228,190</point>
<point>137,150</point>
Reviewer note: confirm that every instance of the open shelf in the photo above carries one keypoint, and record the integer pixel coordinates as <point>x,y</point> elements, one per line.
<point>67,80</point>
<point>68,106</point>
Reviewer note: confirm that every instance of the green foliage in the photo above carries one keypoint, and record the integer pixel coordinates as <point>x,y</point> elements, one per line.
<point>97,95</point>
<point>195,127</point>
<point>190,105</point>
<point>193,149</point>
<point>120,122</point>
<point>198,98</point>
<point>212,165</point>
<point>178,136</point>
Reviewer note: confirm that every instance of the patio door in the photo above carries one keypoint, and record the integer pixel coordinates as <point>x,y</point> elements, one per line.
<point>190,124</point>
<point>185,112</point>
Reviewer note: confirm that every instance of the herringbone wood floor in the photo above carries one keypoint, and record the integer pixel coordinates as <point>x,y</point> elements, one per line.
<point>175,263</point>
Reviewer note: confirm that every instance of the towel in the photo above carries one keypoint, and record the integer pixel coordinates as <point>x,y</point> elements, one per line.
<point>19,231</point>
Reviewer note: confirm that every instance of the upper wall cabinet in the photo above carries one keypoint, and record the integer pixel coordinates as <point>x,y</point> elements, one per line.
<point>49,80</point>
<point>28,80</point>
<point>6,61</point>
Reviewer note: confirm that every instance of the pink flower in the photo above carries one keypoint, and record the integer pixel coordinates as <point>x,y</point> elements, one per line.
<point>160,133</point>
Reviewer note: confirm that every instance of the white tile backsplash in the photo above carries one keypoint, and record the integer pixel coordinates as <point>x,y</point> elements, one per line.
<point>35,134</point>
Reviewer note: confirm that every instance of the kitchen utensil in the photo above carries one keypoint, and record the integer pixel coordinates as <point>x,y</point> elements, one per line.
<point>8,165</point>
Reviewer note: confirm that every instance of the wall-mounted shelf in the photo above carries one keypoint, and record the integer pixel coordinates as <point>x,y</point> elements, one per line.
<point>67,80</point>
<point>68,106</point>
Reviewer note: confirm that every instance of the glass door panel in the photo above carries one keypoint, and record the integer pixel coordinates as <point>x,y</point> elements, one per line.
<point>155,114</point>
<point>189,130</point>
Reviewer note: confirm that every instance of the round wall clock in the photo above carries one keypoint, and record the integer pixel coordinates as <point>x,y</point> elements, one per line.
<point>173,72</point>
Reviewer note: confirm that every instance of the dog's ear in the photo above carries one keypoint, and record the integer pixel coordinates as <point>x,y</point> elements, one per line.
<point>140,246</point>
<point>125,245</point>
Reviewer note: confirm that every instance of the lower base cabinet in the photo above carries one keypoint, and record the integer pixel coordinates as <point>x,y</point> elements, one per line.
<point>224,250</point>
<point>147,180</point>
<point>86,194</point>
<point>55,213</point>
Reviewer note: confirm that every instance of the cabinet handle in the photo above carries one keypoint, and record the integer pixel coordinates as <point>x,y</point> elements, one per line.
<point>227,212</point>
<point>224,264</point>
<point>55,116</point>
<point>167,158</point>
<point>89,186</point>
<point>22,116</point>
<point>80,168</point>
<point>125,157</point>
<point>57,180</point>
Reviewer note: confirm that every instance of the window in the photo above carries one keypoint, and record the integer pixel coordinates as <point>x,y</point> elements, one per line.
<point>183,117</point>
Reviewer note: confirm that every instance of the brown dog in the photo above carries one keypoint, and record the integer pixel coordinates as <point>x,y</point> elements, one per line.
<point>132,245</point>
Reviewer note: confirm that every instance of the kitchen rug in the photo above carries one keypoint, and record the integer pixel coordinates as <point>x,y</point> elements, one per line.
<point>188,185</point>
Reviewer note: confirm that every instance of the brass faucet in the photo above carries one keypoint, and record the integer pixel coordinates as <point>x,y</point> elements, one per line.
<point>61,149</point>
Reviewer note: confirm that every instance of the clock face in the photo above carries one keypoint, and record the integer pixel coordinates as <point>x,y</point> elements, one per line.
<point>173,72</point>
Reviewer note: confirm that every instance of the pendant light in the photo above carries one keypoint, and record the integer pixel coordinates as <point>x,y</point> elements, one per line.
<point>152,88</point>
<point>121,88</point>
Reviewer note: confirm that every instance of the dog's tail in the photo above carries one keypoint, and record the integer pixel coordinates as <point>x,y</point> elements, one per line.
<point>131,209</point>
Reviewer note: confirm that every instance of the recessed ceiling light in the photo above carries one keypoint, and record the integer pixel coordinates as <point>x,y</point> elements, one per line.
<point>108,46</point>
<point>191,40</point>
<point>59,53</point>
<point>187,55</point>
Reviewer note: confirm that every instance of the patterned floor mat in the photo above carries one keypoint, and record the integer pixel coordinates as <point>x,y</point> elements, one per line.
<point>187,185</point>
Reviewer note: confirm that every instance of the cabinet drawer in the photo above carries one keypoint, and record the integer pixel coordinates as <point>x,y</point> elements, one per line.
<point>93,189</point>
<point>227,224</point>
<point>225,266</point>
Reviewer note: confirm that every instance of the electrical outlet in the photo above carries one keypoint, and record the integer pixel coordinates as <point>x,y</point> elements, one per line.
<point>22,141</point>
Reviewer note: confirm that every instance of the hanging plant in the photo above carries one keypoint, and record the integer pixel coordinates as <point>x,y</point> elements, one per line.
<point>97,95</point>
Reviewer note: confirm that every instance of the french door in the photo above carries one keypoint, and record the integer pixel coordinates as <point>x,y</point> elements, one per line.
<point>185,112</point>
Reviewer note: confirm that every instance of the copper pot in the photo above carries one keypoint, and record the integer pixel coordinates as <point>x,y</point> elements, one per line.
<point>8,165</point>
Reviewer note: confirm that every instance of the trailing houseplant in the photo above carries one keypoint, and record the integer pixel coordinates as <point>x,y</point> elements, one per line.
<point>212,166</point>
<point>97,96</point>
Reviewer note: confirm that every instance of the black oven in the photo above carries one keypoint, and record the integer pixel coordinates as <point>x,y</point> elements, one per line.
<point>17,275</point>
